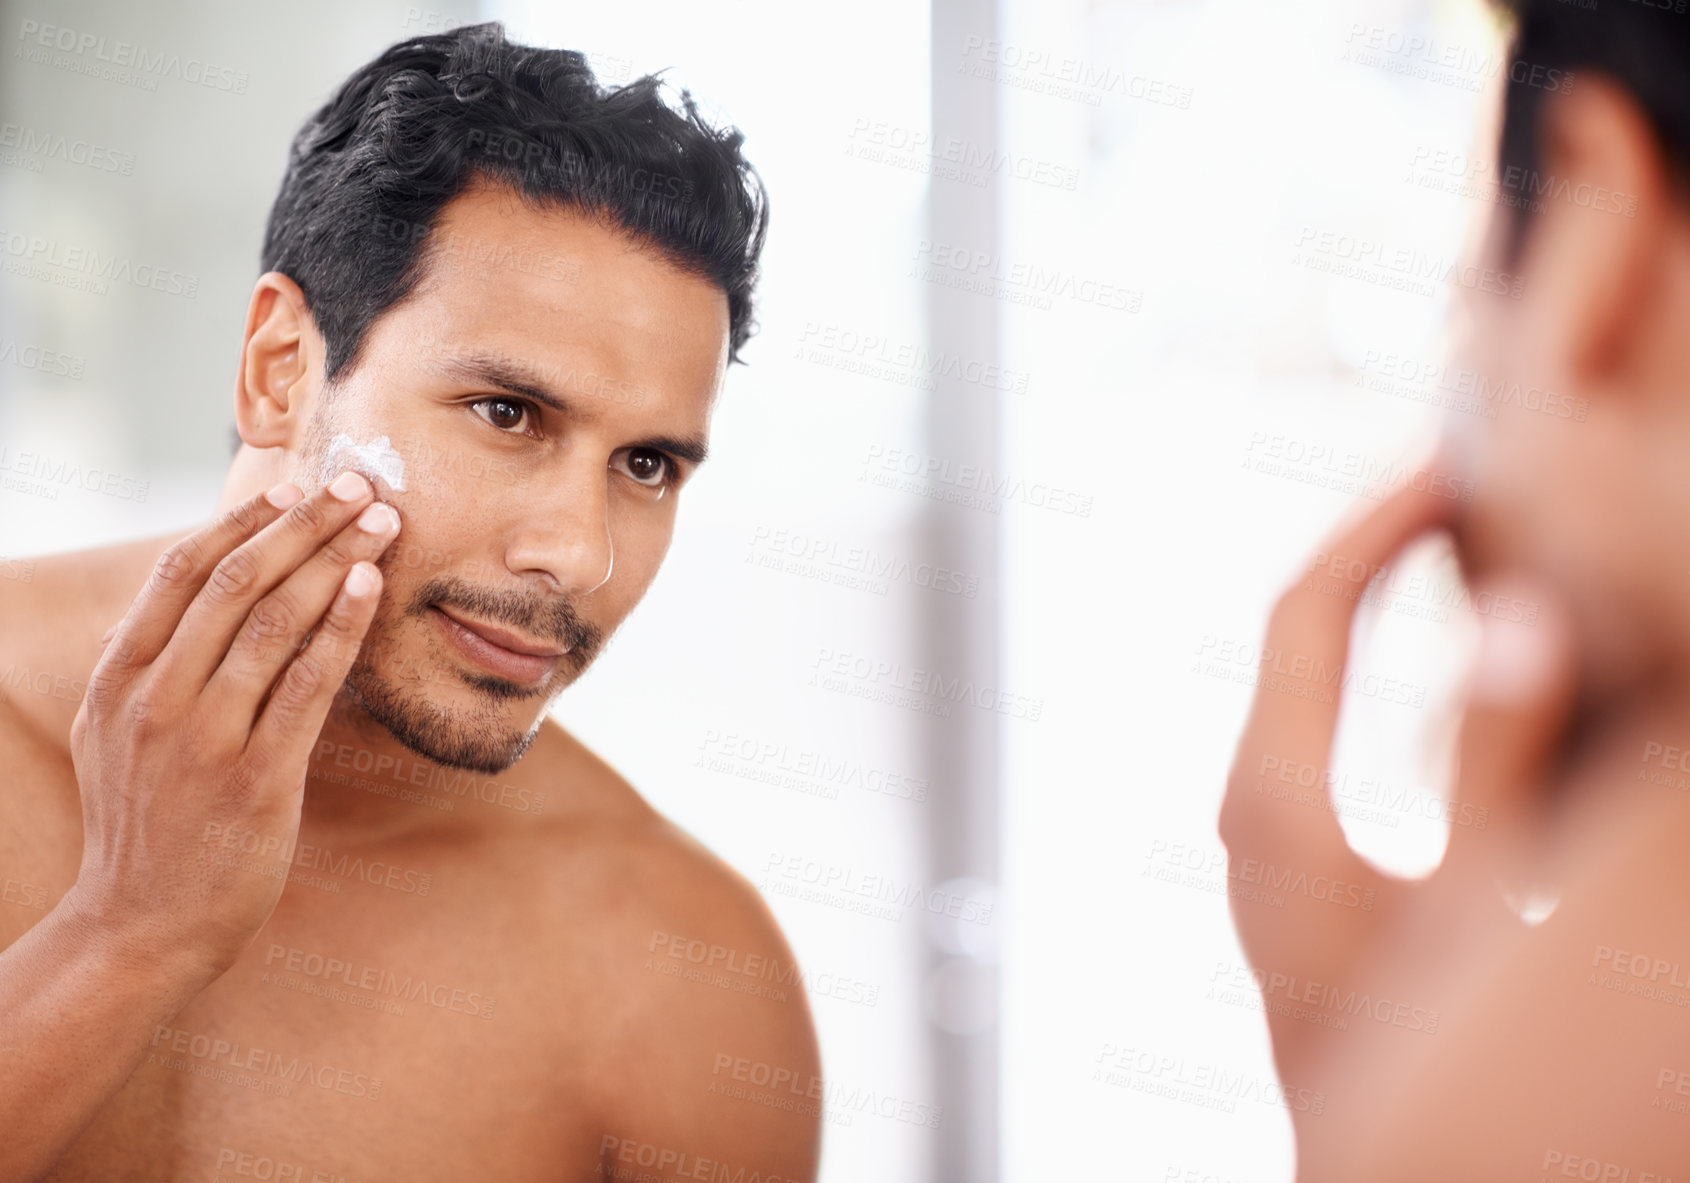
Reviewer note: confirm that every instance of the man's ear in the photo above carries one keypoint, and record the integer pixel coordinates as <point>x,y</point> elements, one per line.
<point>281,364</point>
<point>1593,256</point>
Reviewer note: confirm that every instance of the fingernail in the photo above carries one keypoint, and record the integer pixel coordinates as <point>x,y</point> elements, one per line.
<point>349,486</point>
<point>1513,663</point>
<point>361,580</point>
<point>379,518</point>
<point>284,495</point>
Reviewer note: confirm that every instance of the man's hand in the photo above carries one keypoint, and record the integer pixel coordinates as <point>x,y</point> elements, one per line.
<point>1388,938</point>
<point>200,717</point>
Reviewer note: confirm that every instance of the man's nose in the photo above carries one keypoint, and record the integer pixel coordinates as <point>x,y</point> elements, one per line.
<point>565,530</point>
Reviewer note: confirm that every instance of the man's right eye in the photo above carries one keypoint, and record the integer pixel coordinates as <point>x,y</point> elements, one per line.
<point>506,414</point>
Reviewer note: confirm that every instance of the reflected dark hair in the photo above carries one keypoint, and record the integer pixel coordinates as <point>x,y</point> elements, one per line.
<point>1642,47</point>
<point>369,173</point>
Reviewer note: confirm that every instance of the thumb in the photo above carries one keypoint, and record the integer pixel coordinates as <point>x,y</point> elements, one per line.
<point>1519,697</point>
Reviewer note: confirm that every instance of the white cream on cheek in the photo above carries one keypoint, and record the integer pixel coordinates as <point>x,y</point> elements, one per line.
<point>376,460</point>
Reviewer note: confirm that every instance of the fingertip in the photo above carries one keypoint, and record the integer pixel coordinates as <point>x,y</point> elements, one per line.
<point>362,580</point>
<point>1512,664</point>
<point>285,495</point>
<point>1524,645</point>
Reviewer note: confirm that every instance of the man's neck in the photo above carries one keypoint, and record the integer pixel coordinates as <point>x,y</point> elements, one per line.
<point>363,785</point>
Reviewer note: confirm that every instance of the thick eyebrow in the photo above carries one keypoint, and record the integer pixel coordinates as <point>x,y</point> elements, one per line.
<point>690,448</point>
<point>490,370</point>
<point>517,378</point>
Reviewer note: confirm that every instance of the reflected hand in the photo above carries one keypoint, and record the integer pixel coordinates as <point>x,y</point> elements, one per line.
<point>1357,932</point>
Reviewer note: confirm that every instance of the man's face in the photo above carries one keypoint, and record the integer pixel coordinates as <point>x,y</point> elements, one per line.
<point>546,523</point>
<point>1578,470</point>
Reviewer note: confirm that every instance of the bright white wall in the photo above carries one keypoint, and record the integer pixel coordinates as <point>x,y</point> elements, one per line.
<point>1238,339</point>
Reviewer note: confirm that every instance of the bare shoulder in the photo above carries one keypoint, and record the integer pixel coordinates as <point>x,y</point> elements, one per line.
<point>704,1008</point>
<point>53,611</point>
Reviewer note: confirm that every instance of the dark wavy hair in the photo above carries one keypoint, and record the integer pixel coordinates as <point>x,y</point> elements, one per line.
<point>1640,46</point>
<point>369,173</point>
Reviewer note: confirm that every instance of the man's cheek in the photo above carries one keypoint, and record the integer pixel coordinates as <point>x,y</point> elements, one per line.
<point>373,455</point>
<point>409,561</point>
<point>448,472</point>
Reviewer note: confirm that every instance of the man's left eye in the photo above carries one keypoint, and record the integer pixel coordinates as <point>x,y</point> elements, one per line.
<point>648,466</point>
<point>504,413</point>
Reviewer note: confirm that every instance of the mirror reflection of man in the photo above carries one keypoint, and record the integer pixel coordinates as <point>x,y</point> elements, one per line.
<point>1553,942</point>
<point>328,888</point>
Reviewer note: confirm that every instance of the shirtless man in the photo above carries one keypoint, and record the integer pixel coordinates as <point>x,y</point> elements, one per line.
<point>1526,1014</point>
<point>301,883</point>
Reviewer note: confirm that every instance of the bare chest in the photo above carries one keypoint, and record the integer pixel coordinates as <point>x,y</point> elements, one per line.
<point>388,1022</point>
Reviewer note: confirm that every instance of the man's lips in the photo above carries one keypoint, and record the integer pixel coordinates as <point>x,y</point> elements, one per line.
<point>503,638</point>
<point>491,655</point>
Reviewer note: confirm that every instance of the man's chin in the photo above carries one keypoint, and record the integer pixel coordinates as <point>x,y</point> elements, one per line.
<point>479,739</point>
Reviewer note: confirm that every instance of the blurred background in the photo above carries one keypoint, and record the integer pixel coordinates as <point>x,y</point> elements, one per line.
<point>1081,322</point>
